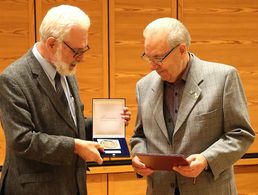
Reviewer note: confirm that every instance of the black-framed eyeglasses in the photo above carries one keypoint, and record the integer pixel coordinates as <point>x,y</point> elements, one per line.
<point>77,52</point>
<point>159,60</point>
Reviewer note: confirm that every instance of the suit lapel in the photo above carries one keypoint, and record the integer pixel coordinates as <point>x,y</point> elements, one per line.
<point>191,93</point>
<point>44,82</point>
<point>190,96</point>
<point>156,102</point>
<point>77,103</point>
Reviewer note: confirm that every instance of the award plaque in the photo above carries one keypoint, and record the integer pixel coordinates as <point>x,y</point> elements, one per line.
<point>162,161</point>
<point>109,127</point>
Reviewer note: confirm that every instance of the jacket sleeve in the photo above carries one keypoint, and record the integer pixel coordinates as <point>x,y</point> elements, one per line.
<point>238,133</point>
<point>22,137</point>
<point>138,140</point>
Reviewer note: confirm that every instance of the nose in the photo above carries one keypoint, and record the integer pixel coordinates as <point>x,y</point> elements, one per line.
<point>80,58</point>
<point>153,65</point>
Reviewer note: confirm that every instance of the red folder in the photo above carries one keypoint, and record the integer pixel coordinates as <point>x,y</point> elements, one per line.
<point>161,161</point>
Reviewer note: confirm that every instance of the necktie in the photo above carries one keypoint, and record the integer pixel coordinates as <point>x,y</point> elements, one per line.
<point>168,109</point>
<point>61,94</point>
<point>60,91</point>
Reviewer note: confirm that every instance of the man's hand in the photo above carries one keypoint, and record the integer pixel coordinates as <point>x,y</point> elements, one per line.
<point>197,164</point>
<point>140,168</point>
<point>88,150</point>
<point>126,115</point>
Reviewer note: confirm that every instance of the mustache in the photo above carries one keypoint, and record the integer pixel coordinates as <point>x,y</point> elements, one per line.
<point>76,62</point>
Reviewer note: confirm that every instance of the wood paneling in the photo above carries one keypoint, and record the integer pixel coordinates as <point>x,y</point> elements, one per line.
<point>97,184</point>
<point>246,179</point>
<point>92,74</point>
<point>16,37</point>
<point>118,180</point>
<point>127,19</point>
<point>126,184</point>
<point>16,30</point>
<point>227,32</point>
<point>110,169</point>
<point>2,146</point>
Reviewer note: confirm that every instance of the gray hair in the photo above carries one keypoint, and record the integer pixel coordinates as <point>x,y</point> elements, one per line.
<point>59,20</point>
<point>176,32</point>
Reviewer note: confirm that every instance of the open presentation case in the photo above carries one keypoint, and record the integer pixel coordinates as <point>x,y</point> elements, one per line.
<point>109,127</point>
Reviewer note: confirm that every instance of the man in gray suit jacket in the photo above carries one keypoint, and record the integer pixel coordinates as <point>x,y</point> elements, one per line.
<point>192,107</point>
<point>42,114</point>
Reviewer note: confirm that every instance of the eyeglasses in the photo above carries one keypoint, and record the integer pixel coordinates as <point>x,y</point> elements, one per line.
<point>77,52</point>
<point>158,61</point>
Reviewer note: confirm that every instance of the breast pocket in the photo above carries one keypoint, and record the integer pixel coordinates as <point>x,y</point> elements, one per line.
<point>36,177</point>
<point>208,115</point>
<point>207,128</point>
<point>208,121</point>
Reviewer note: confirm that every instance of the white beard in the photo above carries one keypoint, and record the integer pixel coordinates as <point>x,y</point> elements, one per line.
<point>61,66</point>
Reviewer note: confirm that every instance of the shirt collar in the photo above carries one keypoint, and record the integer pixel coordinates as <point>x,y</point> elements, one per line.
<point>184,76</point>
<point>48,68</point>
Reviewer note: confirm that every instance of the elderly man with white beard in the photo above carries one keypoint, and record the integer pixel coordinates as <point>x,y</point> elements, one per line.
<point>42,114</point>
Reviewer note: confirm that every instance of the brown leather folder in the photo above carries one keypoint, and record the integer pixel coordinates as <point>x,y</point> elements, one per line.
<point>161,161</point>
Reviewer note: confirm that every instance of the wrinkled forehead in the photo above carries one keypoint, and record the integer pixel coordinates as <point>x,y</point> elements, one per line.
<point>156,42</point>
<point>78,36</point>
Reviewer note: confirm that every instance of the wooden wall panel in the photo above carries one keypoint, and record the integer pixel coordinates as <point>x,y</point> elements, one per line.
<point>2,146</point>
<point>246,179</point>
<point>16,30</point>
<point>127,19</point>
<point>16,37</point>
<point>126,184</point>
<point>227,32</point>
<point>92,74</point>
<point>97,184</point>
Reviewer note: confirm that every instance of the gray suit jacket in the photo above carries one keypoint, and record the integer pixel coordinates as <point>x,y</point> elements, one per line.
<point>39,133</point>
<point>212,120</point>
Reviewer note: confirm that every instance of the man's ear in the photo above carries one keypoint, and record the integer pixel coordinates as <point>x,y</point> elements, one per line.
<point>51,44</point>
<point>182,49</point>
